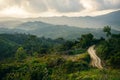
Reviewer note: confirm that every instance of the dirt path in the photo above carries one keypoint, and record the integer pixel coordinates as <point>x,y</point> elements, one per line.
<point>96,61</point>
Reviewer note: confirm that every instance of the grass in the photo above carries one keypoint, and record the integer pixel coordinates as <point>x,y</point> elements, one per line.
<point>96,74</point>
<point>63,68</point>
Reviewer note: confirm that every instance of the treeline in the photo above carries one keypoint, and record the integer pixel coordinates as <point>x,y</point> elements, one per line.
<point>11,44</point>
<point>28,57</point>
<point>109,49</point>
<point>33,58</point>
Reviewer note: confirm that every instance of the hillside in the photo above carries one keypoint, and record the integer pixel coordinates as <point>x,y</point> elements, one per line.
<point>82,22</point>
<point>53,31</point>
<point>29,57</point>
<point>112,19</point>
<point>66,27</point>
<point>59,39</point>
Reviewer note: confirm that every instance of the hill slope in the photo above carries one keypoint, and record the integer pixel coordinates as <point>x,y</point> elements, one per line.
<point>53,31</point>
<point>112,19</point>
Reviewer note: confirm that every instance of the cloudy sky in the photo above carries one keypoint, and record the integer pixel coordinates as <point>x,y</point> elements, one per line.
<point>48,8</point>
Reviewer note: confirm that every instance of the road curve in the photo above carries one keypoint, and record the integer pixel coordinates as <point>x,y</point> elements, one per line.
<point>95,60</point>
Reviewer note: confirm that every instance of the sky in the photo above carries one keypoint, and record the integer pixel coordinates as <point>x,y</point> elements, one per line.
<point>50,8</point>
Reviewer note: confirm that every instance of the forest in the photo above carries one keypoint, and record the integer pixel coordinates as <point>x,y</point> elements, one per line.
<point>28,57</point>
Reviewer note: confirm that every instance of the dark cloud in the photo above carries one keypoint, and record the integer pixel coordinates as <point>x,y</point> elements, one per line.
<point>61,6</point>
<point>44,5</point>
<point>108,4</point>
<point>65,5</point>
<point>35,6</point>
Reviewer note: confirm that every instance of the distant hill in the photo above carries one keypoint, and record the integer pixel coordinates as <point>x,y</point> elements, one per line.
<point>112,19</point>
<point>67,27</point>
<point>53,31</point>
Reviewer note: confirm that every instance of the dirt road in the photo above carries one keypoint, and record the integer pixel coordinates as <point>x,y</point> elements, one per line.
<point>96,61</point>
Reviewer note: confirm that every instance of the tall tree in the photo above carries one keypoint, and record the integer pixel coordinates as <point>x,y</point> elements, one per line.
<point>107,30</point>
<point>86,40</point>
<point>20,54</point>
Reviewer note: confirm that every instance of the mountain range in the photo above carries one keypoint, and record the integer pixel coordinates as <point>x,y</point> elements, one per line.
<point>112,19</point>
<point>66,27</point>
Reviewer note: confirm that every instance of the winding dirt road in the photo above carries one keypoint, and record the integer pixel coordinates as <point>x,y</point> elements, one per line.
<point>96,61</point>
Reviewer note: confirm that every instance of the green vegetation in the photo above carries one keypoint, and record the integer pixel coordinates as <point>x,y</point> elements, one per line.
<point>109,49</point>
<point>48,67</point>
<point>20,54</point>
<point>28,57</point>
<point>95,74</point>
<point>107,30</point>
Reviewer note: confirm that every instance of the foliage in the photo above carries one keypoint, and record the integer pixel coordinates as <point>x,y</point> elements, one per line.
<point>109,50</point>
<point>49,67</point>
<point>107,30</point>
<point>58,59</point>
<point>7,48</point>
<point>95,74</point>
<point>86,40</point>
<point>20,54</point>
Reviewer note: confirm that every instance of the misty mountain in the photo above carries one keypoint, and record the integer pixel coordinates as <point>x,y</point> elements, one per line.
<point>6,23</point>
<point>112,19</point>
<point>66,27</point>
<point>53,31</point>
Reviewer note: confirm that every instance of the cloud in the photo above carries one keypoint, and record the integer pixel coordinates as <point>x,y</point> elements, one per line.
<point>113,4</point>
<point>44,5</point>
<point>56,5</point>
<point>65,5</point>
<point>108,4</point>
<point>34,6</point>
<point>89,4</point>
<point>100,4</point>
<point>61,6</point>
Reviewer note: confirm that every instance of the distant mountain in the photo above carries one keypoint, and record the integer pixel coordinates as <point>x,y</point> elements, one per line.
<point>112,19</point>
<point>67,27</point>
<point>53,31</point>
<point>9,23</point>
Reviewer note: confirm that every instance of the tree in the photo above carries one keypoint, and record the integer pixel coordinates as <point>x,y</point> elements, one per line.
<point>86,40</point>
<point>107,30</point>
<point>7,48</point>
<point>20,54</point>
<point>35,54</point>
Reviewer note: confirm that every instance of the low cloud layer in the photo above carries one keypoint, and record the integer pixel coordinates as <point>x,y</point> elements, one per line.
<point>58,7</point>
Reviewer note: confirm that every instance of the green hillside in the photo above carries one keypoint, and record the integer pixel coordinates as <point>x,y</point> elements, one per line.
<point>28,57</point>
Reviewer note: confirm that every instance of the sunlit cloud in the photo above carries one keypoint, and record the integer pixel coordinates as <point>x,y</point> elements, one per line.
<point>48,8</point>
<point>14,11</point>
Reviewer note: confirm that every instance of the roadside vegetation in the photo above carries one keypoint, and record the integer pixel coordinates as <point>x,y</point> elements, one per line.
<point>28,57</point>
